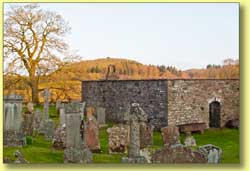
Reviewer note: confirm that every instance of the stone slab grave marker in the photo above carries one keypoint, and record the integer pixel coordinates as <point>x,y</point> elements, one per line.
<point>75,151</point>
<point>13,135</point>
<point>100,114</point>
<point>47,124</point>
<point>46,95</point>
<point>92,131</point>
<point>170,135</point>
<point>28,119</point>
<point>37,120</point>
<point>62,116</point>
<point>213,153</point>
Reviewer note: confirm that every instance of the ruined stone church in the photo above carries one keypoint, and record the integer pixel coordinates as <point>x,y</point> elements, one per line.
<point>213,102</point>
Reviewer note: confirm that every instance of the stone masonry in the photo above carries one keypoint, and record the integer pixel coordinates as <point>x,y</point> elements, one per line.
<point>116,96</point>
<point>167,102</point>
<point>188,100</point>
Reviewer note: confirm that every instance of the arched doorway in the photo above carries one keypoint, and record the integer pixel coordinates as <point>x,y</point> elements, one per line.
<point>214,114</point>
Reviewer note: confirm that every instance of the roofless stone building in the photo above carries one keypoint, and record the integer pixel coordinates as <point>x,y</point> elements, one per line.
<point>168,102</point>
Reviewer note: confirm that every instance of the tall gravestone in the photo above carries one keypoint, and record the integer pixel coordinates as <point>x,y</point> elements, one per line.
<point>75,151</point>
<point>46,95</point>
<point>13,135</point>
<point>136,117</point>
<point>47,125</point>
<point>62,116</point>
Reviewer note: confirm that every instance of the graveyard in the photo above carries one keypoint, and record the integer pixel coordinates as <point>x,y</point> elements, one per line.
<point>40,148</point>
<point>135,92</point>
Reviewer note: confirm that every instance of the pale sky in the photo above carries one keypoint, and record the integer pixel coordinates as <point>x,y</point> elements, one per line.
<point>186,35</point>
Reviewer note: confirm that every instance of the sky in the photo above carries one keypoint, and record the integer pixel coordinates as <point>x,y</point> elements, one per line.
<point>185,35</point>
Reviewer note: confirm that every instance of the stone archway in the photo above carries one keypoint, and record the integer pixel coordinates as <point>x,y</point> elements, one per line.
<point>214,114</point>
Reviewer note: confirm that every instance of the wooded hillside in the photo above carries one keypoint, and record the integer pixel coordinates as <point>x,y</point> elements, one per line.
<point>65,83</point>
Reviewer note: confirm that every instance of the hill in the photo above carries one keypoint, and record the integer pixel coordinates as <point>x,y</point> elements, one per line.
<point>65,82</point>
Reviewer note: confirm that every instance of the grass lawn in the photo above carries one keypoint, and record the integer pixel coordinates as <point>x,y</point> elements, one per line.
<point>41,151</point>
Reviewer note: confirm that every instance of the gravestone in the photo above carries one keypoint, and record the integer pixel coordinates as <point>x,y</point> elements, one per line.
<point>28,119</point>
<point>13,135</point>
<point>46,95</point>
<point>28,124</point>
<point>189,140</point>
<point>100,114</point>
<point>170,135</point>
<point>134,145</point>
<point>118,138</point>
<point>62,116</point>
<point>58,104</point>
<point>92,134</point>
<point>49,129</point>
<point>59,137</point>
<point>75,151</point>
<point>37,120</point>
<point>213,153</point>
<point>136,116</point>
<point>174,152</point>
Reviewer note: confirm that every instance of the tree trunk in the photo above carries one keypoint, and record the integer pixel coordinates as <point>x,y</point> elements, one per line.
<point>34,89</point>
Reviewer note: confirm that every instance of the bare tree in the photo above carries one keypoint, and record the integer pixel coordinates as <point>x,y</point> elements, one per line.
<point>33,42</point>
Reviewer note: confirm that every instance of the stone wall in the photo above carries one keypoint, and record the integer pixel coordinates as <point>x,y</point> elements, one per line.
<point>116,95</point>
<point>188,100</point>
<point>167,102</point>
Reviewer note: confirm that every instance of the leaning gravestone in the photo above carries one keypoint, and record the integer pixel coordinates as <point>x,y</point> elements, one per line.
<point>75,152</point>
<point>12,135</point>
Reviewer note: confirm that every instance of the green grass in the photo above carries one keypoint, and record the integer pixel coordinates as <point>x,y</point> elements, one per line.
<point>226,139</point>
<point>41,151</point>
